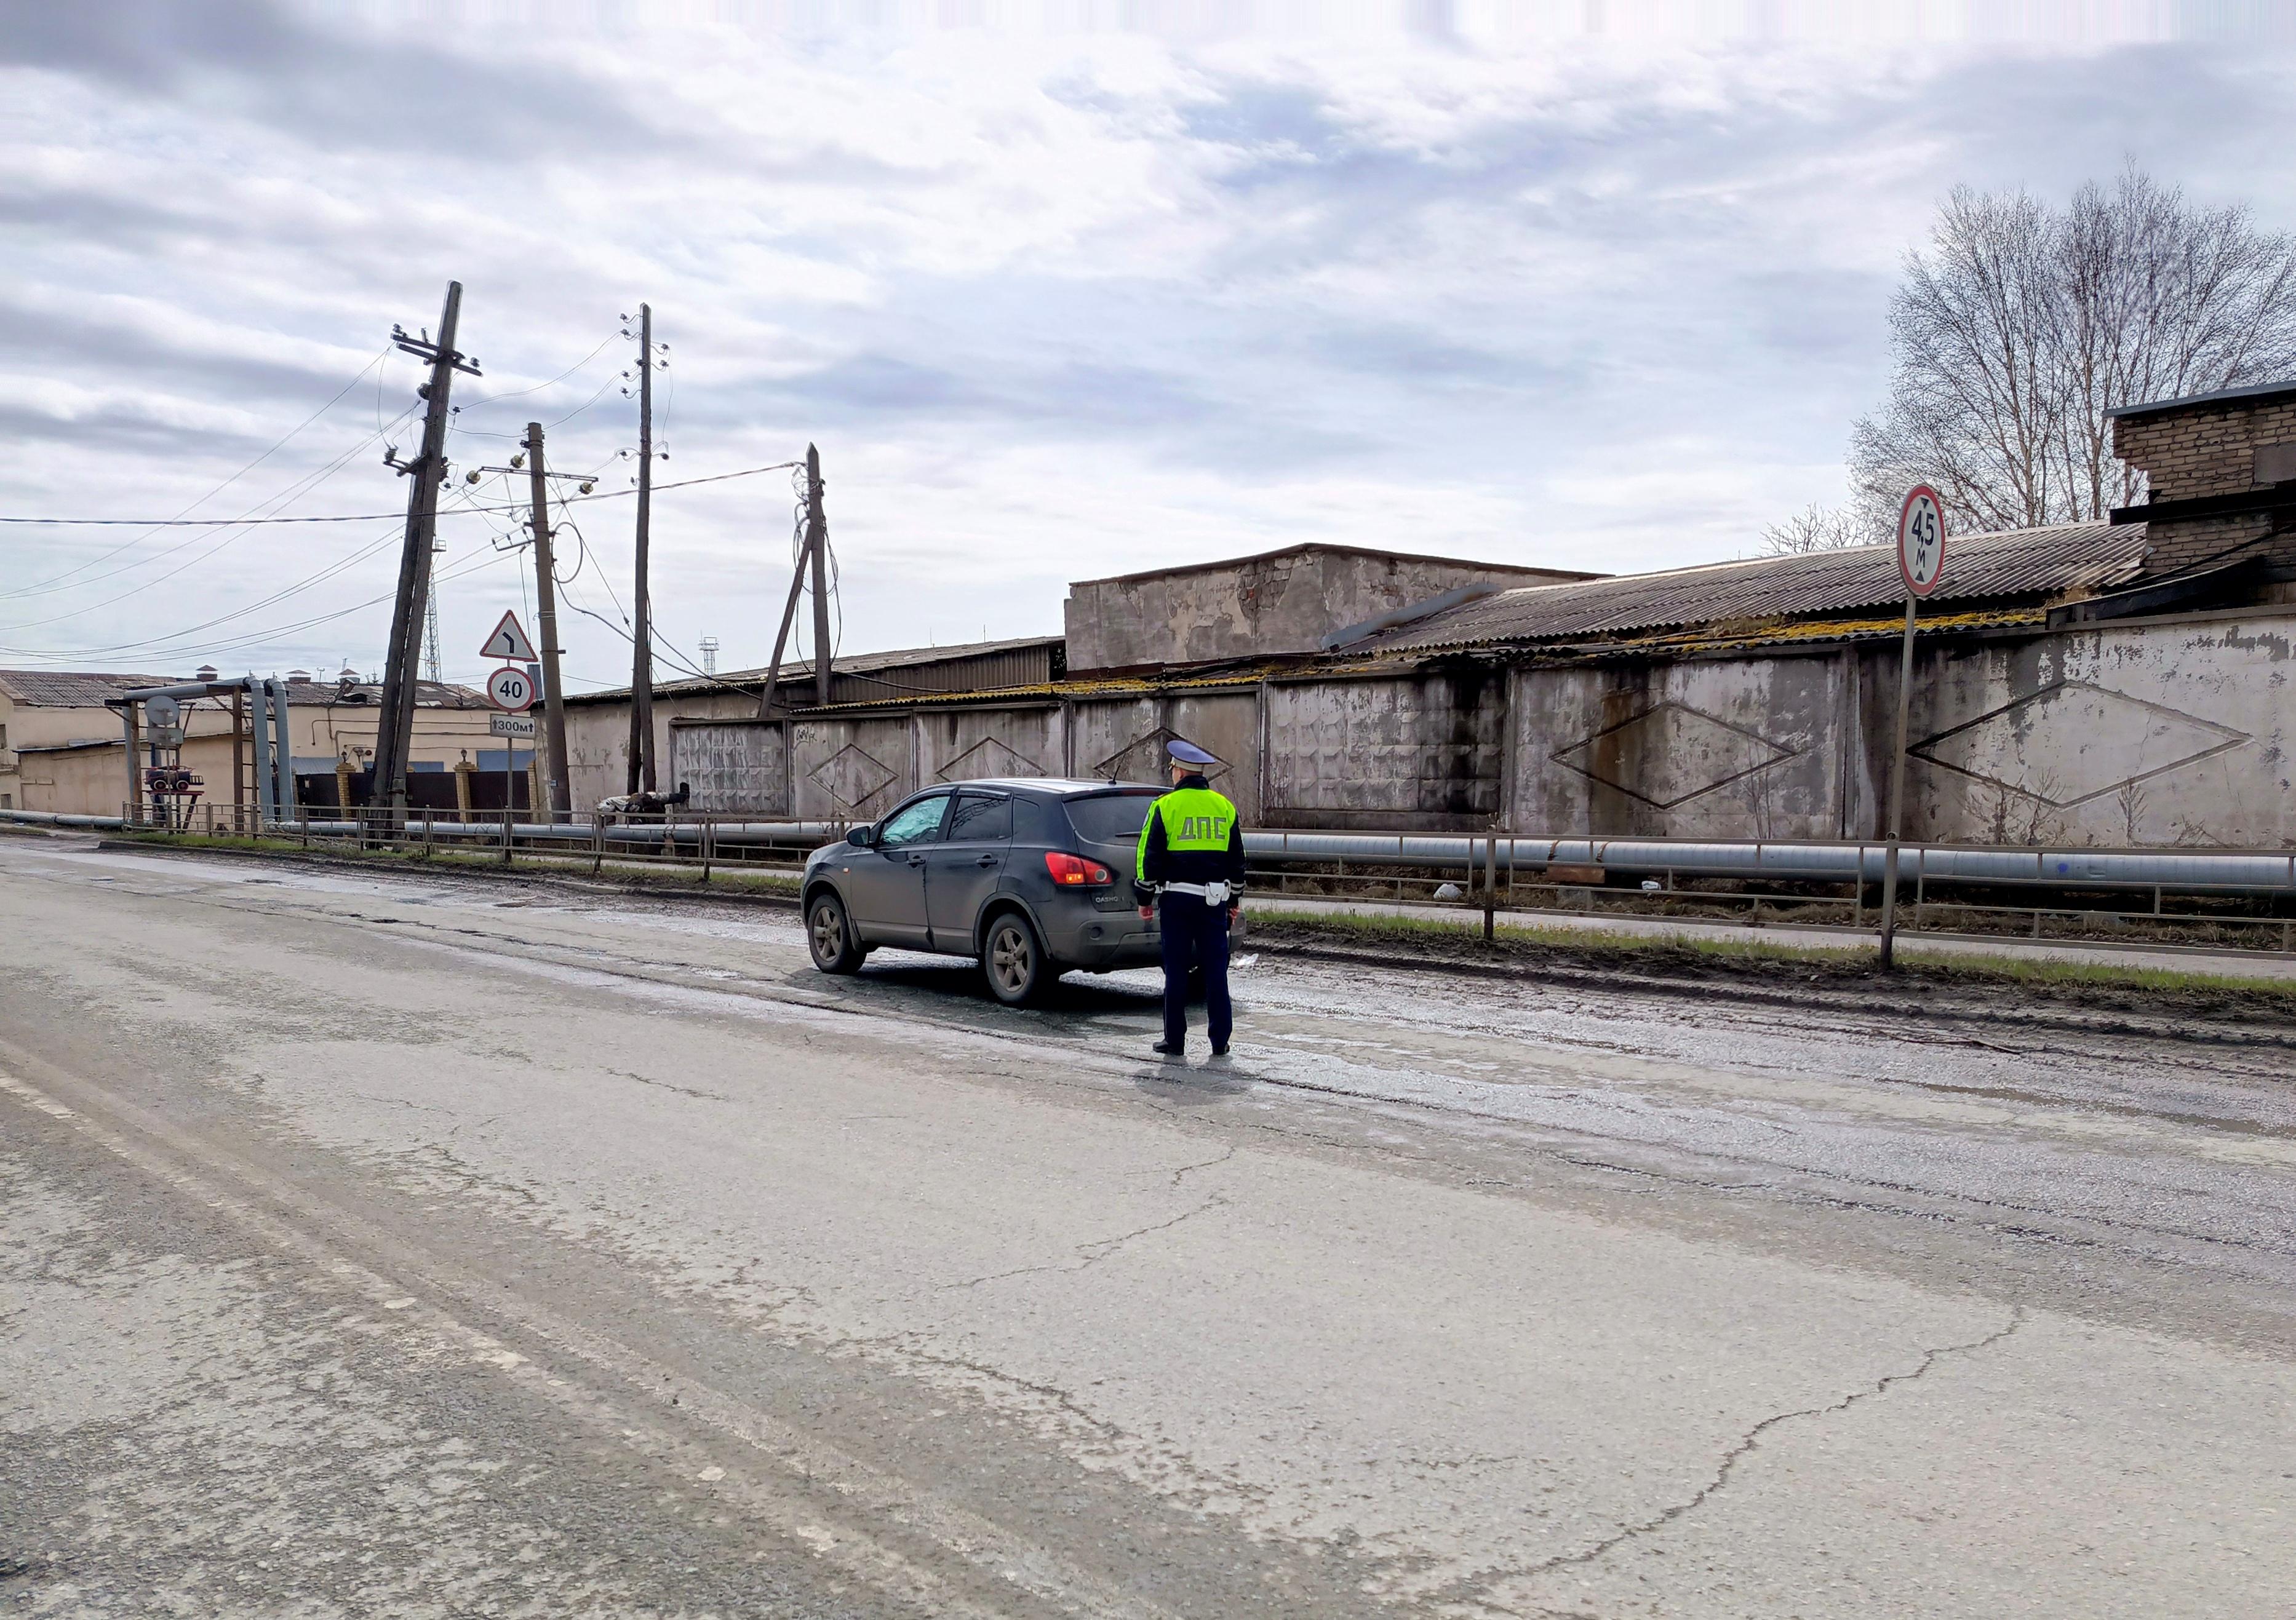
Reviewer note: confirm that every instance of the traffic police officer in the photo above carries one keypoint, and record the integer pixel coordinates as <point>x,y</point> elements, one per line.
<point>1191,864</point>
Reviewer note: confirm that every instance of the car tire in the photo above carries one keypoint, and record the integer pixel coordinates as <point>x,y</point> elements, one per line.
<point>1013,957</point>
<point>828,934</point>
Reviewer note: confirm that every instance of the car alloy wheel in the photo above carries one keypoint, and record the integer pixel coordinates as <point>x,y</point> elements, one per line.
<point>831,937</point>
<point>1014,961</point>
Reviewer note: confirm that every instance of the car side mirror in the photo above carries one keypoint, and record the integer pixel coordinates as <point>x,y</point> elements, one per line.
<point>862,837</point>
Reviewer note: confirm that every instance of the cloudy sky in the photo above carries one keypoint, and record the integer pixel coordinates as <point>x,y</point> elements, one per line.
<point>1061,291</point>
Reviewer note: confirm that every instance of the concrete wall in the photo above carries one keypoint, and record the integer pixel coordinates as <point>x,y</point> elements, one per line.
<point>2167,734</point>
<point>598,739</point>
<point>1754,747</point>
<point>2163,733</point>
<point>2171,733</point>
<point>856,766</point>
<point>1285,603</point>
<point>1427,752</point>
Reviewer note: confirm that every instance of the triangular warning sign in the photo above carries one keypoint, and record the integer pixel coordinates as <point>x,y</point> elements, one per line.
<point>508,642</point>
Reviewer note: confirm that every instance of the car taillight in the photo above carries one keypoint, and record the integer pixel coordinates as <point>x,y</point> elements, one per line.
<point>1074,872</point>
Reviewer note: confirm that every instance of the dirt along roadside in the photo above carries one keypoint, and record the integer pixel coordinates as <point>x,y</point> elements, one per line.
<point>2216,998</point>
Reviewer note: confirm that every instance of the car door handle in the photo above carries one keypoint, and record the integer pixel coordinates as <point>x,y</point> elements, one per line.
<point>987,861</point>
<point>916,860</point>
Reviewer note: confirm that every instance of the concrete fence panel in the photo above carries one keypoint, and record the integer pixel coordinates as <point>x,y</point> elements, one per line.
<point>969,744</point>
<point>1421,753</point>
<point>1755,747</point>
<point>2176,734</point>
<point>851,769</point>
<point>735,769</point>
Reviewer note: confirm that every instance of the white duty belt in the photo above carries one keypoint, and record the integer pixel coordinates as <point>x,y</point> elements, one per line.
<point>1210,894</point>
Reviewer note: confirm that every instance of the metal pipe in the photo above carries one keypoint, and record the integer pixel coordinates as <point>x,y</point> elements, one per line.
<point>267,774</point>
<point>60,818</point>
<point>1824,862</point>
<point>282,760</point>
<point>2253,871</point>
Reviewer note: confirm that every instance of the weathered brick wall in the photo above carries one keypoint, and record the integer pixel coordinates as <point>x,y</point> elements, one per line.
<point>2206,450</point>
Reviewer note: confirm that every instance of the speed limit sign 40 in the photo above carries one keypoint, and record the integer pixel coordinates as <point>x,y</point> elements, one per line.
<point>1920,540</point>
<point>510,687</point>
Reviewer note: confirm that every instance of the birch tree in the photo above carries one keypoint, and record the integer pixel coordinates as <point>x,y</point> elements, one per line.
<point>2021,325</point>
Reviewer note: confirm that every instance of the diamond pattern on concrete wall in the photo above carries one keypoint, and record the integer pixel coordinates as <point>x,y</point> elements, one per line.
<point>1670,753</point>
<point>1143,760</point>
<point>851,776</point>
<point>988,757</point>
<point>2067,744</point>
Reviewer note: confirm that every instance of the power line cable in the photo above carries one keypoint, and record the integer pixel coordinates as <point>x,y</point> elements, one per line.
<point>280,444</point>
<point>370,517</point>
<point>156,649</point>
<point>295,491</point>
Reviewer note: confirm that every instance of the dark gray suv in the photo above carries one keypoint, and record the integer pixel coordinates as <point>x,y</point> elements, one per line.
<point>1032,877</point>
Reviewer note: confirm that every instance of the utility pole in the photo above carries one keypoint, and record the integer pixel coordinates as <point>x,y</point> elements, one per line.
<point>812,555</point>
<point>641,778</point>
<point>546,599</point>
<point>817,541</point>
<point>395,726</point>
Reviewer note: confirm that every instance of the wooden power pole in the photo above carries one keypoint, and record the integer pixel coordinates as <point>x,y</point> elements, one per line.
<point>641,775</point>
<point>546,600</point>
<point>817,541</point>
<point>395,726</point>
<point>812,556</point>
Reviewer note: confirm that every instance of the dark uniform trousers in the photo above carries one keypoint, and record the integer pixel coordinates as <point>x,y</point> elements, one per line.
<point>1194,936</point>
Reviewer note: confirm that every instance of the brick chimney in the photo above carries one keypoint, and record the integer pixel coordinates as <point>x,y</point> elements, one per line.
<point>2222,468</point>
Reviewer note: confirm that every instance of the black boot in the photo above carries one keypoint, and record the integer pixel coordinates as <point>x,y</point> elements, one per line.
<point>1170,1048</point>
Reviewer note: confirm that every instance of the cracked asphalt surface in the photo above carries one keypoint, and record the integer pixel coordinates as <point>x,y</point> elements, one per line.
<point>415,1244</point>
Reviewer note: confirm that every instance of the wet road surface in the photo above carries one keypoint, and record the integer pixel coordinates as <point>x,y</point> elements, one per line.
<point>417,1244</point>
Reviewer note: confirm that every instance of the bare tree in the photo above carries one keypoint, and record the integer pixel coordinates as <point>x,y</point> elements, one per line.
<point>2023,325</point>
<point>1814,528</point>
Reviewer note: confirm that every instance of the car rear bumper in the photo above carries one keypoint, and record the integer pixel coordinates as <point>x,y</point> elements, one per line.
<point>1105,942</point>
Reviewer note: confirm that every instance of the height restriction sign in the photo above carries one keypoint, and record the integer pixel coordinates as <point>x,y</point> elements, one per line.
<point>1920,540</point>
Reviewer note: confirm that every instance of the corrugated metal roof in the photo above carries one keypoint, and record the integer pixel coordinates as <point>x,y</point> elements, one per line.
<point>56,688</point>
<point>2026,562</point>
<point>854,663</point>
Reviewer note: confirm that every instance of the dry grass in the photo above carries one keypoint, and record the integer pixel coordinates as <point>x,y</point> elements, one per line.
<point>1686,949</point>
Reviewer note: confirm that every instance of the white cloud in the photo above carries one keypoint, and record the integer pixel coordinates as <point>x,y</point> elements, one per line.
<point>1056,300</point>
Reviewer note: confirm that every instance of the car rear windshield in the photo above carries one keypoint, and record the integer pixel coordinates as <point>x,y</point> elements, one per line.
<point>1110,818</point>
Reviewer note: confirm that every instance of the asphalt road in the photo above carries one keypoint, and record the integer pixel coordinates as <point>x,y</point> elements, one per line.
<point>414,1244</point>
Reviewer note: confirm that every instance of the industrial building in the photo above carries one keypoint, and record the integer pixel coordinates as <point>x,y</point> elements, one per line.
<point>2110,684</point>
<point>61,749</point>
<point>2115,683</point>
